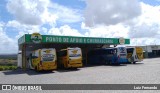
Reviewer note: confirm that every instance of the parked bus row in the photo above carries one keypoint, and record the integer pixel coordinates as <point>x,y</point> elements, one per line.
<point>116,55</point>
<point>50,59</point>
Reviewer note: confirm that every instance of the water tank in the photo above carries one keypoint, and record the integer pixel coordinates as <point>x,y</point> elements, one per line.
<point>19,60</point>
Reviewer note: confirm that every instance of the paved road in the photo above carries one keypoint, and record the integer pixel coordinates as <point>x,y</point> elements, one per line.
<point>146,72</point>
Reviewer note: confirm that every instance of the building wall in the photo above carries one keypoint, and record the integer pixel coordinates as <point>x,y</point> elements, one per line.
<point>151,51</point>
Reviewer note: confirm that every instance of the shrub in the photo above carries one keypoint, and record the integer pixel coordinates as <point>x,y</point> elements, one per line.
<point>8,68</point>
<point>14,67</point>
<point>9,64</point>
<point>1,68</point>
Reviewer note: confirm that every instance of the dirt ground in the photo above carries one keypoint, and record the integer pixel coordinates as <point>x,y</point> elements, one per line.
<point>8,61</point>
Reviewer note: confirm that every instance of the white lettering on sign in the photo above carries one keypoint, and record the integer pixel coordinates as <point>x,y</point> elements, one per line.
<point>84,40</point>
<point>72,40</point>
<point>77,40</point>
<point>90,41</point>
<point>66,40</point>
<point>80,40</point>
<point>87,40</point>
<point>60,39</point>
<point>49,39</point>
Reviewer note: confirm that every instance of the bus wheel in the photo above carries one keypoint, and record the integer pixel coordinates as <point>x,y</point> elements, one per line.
<point>107,62</point>
<point>63,67</point>
<point>110,62</point>
<point>35,68</point>
<point>134,62</point>
<point>103,62</point>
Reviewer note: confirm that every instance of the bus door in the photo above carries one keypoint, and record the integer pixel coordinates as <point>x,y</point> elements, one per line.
<point>130,55</point>
<point>139,52</point>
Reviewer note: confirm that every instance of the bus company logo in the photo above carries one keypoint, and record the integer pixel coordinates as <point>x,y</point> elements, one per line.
<point>122,50</point>
<point>121,40</point>
<point>74,51</point>
<point>6,87</point>
<point>36,38</point>
<point>47,51</point>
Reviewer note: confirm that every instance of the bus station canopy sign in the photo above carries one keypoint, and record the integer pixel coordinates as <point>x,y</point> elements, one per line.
<point>37,38</point>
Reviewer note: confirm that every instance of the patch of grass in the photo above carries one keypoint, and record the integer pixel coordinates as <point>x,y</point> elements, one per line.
<point>8,68</point>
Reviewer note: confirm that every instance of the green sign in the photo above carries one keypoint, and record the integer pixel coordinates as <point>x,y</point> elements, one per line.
<point>36,38</point>
<point>66,39</point>
<point>21,40</point>
<point>72,39</point>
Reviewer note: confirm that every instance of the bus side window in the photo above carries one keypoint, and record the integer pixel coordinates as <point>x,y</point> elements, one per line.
<point>136,57</point>
<point>34,55</point>
<point>115,51</point>
<point>111,52</point>
<point>62,53</point>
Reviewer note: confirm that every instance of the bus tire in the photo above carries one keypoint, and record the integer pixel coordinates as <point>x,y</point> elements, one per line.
<point>35,68</point>
<point>108,62</point>
<point>103,61</point>
<point>134,62</point>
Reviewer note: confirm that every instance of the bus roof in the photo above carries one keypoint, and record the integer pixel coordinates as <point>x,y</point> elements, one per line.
<point>73,48</point>
<point>104,48</point>
<point>70,48</point>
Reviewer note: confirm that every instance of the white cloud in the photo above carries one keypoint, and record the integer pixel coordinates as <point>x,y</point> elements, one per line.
<point>142,30</point>
<point>13,23</point>
<point>39,12</point>
<point>148,24</point>
<point>112,31</point>
<point>145,41</point>
<point>112,20</point>
<point>22,28</point>
<point>25,11</point>
<point>8,45</point>
<point>110,12</point>
<point>65,14</point>
<point>64,30</point>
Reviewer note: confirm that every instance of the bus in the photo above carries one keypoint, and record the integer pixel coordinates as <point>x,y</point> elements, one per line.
<point>134,54</point>
<point>122,54</point>
<point>43,59</point>
<point>108,56</point>
<point>70,58</point>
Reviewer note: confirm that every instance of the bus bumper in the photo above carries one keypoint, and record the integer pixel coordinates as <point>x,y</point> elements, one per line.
<point>76,65</point>
<point>122,61</point>
<point>47,67</point>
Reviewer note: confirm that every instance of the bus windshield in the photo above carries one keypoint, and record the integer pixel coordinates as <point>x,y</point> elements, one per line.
<point>130,50</point>
<point>74,53</point>
<point>122,52</point>
<point>47,55</point>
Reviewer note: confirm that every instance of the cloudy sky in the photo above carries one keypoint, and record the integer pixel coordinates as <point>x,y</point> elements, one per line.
<point>138,20</point>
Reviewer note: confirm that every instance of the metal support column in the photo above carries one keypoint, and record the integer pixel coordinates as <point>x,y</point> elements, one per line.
<point>86,55</point>
<point>24,57</point>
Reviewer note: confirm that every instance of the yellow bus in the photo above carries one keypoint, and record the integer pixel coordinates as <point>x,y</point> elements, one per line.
<point>134,54</point>
<point>70,58</point>
<point>139,52</point>
<point>43,59</point>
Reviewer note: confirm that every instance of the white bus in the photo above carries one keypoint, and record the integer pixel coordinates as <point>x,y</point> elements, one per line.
<point>122,54</point>
<point>134,54</point>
